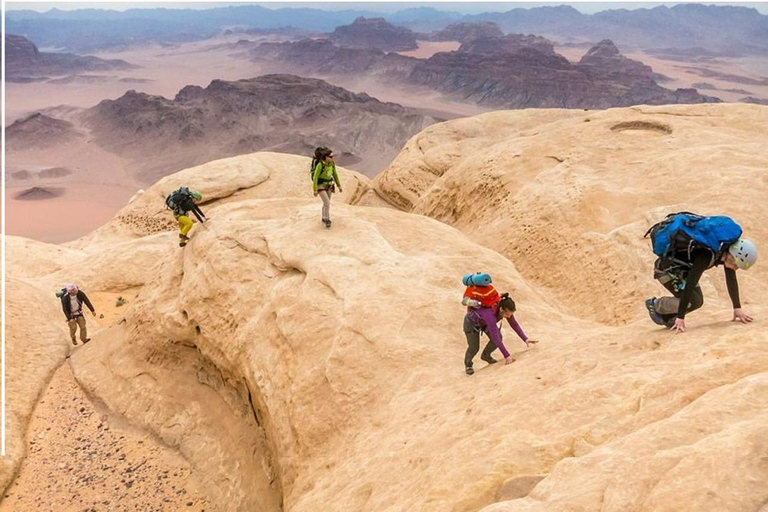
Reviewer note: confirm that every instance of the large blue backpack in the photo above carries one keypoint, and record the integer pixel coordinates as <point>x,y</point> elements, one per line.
<point>680,233</point>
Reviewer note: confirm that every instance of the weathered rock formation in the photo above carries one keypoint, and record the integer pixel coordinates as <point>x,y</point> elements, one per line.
<point>24,61</point>
<point>374,33</point>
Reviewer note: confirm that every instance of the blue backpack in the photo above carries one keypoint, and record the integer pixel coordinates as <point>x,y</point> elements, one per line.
<point>685,231</point>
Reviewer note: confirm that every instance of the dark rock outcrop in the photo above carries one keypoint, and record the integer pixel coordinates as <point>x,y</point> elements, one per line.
<point>374,33</point>
<point>24,61</point>
<point>321,56</point>
<point>39,131</point>
<point>512,43</point>
<point>282,113</point>
<point>464,32</point>
<point>531,75</point>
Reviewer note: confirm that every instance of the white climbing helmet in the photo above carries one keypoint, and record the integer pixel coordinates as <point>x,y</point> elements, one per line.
<point>744,252</point>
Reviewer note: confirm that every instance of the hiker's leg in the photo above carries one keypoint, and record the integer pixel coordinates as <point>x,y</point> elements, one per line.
<point>325,195</point>
<point>488,350</point>
<point>83,329</point>
<point>73,331</point>
<point>666,306</point>
<point>185,224</point>
<point>473,342</point>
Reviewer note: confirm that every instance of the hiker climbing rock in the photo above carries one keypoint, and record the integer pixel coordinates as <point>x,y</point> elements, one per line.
<point>485,307</point>
<point>72,300</point>
<point>687,245</point>
<point>181,202</point>
<point>324,180</point>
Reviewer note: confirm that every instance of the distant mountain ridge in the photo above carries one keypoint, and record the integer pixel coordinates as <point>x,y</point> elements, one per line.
<point>24,61</point>
<point>738,30</point>
<point>512,71</point>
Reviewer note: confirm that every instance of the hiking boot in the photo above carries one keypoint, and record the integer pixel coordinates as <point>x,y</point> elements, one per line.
<point>74,342</point>
<point>489,359</point>
<point>470,370</point>
<point>86,340</point>
<point>183,244</point>
<point>650,306</point>
<point>327,223</point>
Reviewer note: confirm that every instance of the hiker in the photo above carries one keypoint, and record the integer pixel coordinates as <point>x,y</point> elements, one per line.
<point>324,180</point>
<point>483,315</point>
<point>72,303</point>
<point>181,202</point>
<point>687,246</point>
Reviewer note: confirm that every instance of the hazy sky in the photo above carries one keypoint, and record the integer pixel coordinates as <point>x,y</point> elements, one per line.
<point>463,7</point>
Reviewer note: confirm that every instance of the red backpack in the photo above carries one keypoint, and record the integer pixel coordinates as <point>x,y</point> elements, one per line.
<point>486,295</point>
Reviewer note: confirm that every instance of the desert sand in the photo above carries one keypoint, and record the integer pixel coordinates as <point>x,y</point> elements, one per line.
<point>298,368</point>
<point>427,49</point>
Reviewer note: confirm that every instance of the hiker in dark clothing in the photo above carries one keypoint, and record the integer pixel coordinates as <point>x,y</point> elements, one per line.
<point>183,202</point>
<point>72,304</point>
<point>681,277</point>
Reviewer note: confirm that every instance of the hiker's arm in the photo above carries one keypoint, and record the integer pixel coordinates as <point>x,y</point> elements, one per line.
<point>64,306</point>
<point>700,262</point>
<point>318,170</point>
<point>733,287</point>
<point>489,317</point>
<point>198,212</point>
<point>336,177</point>
<point>516,326</point>
<point>88,303</point>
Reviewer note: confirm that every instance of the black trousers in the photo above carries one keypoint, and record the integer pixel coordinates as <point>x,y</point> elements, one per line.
<point>697,300</point>
<point>473,343</point>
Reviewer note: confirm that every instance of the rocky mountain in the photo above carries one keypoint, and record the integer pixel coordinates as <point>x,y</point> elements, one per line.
<point>24,60</point>
<point>522,73</point>
<point>374,33</point>
<point>465,32</point>
<point>512,71</point>
<point>40,131</point>
<point>505,45</point>
<point>282,113</point>
<point>727,30</point>
<point>322,56</point>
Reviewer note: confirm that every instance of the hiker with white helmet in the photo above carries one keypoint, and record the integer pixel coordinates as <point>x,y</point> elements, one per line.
<point>687,246</point>
<point>181,202</point>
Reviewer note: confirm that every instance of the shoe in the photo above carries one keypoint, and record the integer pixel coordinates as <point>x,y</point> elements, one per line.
<point>649,305</point>
<point>489,360</point>
<point>74,342</point>
<point>182,244</point>
<point>327,223</point>
<point>184,237</point>
<point>470,370</point>
<point>86,340</point>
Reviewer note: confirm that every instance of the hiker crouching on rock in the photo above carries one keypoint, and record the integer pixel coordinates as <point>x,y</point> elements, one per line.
<point>181,202</point>
<point>324,180</point>
<point>485,307</point>
<point>687,246</point>
<point>72,304</point>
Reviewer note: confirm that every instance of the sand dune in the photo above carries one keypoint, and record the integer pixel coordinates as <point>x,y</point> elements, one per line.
<point>298,368</point>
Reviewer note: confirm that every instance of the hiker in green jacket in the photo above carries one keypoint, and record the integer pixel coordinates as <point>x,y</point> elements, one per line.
<point>324,180</point>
